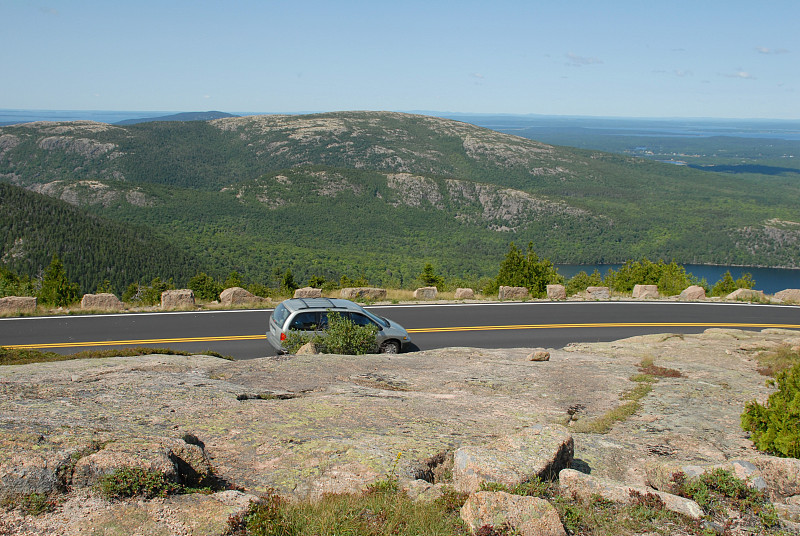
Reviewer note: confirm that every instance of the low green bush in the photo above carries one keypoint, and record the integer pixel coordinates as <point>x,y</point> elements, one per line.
<point>727,284</point>
<point>141,294</point>
<point>342,336</point>
<point>719,491</point>
<point>671,278</point>
<point>581,281</point>
<point>775,427</point>
<point>136,482</point>
<point>31,504</point>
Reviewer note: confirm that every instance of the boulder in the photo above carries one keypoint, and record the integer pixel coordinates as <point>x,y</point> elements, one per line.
<point>661,475</point>
<point>746,294</point>
<point>788,512</point>
<point>513,293</point>
<point>645,291</point>
<point>104,301</point>
<point>368,293</point>
<point>32,472</point>
<point>177,299</point>
<point>598,293</point>
<point>538,451</point>
<point>17,304</point>
<point>308,348</point>
<point>694,292</point>
<point>174,458</point>
<point>782,475</point>
<point>187,514</point>
<point>526,516</point>
<point>790,295</point>
<point>585,487</point>
<point>465,294</point>
<point>426,293</point>
<point>308,292</point>
<point>238,296</point>
<point>539,355</point>
<point>345,477</point>
<point>556,292</point>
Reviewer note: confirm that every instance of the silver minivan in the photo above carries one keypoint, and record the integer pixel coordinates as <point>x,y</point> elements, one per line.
<point>311,315</point>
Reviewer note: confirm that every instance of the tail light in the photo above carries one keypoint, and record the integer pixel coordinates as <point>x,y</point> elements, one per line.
<point>283,336</point>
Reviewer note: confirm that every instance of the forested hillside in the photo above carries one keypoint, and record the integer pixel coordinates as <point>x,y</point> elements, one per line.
<point>380,194</point>
<point>35,227</point>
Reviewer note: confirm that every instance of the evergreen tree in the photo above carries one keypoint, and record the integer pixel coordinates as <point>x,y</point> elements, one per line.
<point>526,270</point>
<point>204,287</point>
<point>288,284</point>
<point>429,278</point>
<point>56,289</point>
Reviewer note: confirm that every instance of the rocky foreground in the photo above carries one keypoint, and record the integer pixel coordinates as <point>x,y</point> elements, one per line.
<point>309,425</point>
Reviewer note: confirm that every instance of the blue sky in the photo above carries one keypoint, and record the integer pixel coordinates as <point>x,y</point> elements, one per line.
<point>699,58</point>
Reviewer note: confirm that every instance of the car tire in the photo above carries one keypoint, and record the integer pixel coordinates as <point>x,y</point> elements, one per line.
<point>390,347</point>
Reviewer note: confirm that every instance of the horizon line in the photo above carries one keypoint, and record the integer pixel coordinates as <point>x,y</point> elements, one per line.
<point>415,112</point>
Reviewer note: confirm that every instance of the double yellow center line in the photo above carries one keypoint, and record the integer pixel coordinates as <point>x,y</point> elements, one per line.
<point>135,342</point>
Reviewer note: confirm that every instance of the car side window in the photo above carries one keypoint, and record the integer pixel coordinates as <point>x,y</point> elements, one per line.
<point>305,322</point>
<point>361,320</point>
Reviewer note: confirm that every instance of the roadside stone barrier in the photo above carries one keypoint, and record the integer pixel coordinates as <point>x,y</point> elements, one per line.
<point>426,293</point>
<point>641,292</point>
<point>556,292</point>
<point>308,292</point>
<point>104,301</point>
<point>790,295</point>
<point>598,293</point>
<point>369,293</point>
<point>694,292</point>
<point>465,294</point>
<point>17,304</point>
<point>176,299</point>
<point>513,293</point>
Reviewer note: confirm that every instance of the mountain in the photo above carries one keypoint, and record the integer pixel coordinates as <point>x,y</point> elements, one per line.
<point>93,249</point>
<point>380,194</point>
<point>184,116</point>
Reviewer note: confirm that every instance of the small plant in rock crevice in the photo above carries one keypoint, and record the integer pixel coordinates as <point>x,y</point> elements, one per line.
<point>128,482</point>
<point>31,504</point>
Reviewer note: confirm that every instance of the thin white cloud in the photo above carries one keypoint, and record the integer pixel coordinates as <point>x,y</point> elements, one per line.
<point>744,75</point>
<point>580,61</point>
<point>48,11</point>
<point>479,76</point>
<point>681,73</point>
<point>765,50</point>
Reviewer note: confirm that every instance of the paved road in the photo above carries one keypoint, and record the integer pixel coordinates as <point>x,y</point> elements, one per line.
<point>500,325</point>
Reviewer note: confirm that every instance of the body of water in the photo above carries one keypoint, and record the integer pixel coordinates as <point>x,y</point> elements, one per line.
<point>770,280</point>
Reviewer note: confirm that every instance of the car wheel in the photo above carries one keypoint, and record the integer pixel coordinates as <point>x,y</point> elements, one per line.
<point>390,347</point>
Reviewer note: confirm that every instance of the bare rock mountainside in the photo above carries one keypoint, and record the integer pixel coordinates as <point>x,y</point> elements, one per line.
<point>380,187</point>
<point>311,425</point>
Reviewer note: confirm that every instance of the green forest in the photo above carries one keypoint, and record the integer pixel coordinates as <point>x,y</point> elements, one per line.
<point>362,195</point>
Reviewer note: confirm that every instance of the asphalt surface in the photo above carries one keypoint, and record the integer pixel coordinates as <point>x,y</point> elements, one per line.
<point>241,333</point>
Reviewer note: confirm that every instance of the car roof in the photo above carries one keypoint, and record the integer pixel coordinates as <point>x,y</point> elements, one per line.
<point>298,304</point>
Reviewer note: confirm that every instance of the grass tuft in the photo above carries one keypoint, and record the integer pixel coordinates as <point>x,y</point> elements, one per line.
<point>23,356</point>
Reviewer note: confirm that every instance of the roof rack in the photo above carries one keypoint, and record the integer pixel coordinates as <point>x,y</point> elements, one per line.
<point>315,302</point>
